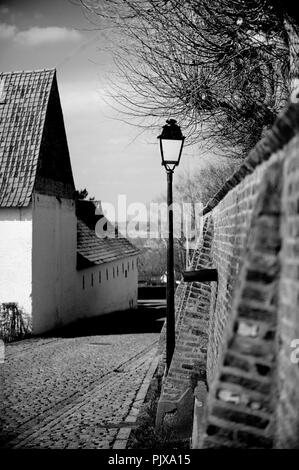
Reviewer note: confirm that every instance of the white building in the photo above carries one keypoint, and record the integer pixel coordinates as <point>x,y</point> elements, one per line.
<point>51,262</point>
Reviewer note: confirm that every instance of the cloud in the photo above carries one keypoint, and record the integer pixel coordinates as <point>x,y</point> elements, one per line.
<point>4,10</point>
<point>36,36</point>
<point>7,31</point>
<point>82,98</point>
<point>37,15</point>
<point>49,35</point>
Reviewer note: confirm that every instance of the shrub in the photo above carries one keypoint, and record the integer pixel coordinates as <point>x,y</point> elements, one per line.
<point>15,324</point>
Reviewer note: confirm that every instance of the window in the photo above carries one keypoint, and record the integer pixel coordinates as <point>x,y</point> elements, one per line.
<point>83,282</point>
<point>107,276</point>
<point>133,265</point>
<point>91,279</point>
<point>113,272</point>
<point>100,277</point>
<point>126,273</point>
<point>123,267</point>
<point>117,271</point>
<point>128,266</point>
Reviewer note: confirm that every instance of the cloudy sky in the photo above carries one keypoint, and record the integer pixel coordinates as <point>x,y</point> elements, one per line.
<point>108,156</point>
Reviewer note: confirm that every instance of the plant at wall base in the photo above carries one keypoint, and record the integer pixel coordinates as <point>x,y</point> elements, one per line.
<point>146,435</point>
<point>15,324</point>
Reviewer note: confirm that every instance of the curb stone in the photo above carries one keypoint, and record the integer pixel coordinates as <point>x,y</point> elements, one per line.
<point>123,434</point>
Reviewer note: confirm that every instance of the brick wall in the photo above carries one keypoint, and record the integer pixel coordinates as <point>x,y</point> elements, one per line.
<point>235,334</point>
<point>240,409</point>
<point>192,305</point>
<point>287,430</point>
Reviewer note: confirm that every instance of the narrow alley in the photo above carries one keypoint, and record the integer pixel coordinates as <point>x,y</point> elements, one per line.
<point>81,387</point>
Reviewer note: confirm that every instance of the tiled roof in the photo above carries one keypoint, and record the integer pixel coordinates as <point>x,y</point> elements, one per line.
<point>23,104</point>
<point>92,250</point>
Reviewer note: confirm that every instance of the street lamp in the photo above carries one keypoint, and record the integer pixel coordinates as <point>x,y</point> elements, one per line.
<point>171,146</point>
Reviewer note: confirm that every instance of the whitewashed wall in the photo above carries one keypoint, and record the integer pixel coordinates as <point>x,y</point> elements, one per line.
<point>15,256</point>
<point>96,295</point>
<point>53,262</point>
<point>38,267</point>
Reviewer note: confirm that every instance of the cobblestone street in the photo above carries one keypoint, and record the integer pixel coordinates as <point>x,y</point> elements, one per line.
<point>82,387</point>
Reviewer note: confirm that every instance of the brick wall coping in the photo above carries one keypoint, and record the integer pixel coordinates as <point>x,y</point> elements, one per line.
<point>282,131</point>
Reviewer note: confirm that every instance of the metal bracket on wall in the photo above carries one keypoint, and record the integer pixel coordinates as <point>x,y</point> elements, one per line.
<point>201,275</point>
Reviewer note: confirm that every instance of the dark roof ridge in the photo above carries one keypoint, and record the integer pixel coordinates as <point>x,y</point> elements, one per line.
<point>13,72</point>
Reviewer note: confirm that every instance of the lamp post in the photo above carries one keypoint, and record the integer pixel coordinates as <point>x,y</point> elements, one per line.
<point>171,146</point>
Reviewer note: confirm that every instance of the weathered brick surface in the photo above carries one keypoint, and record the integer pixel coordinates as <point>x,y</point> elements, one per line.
<point>192,314</point>
<point>241,395</point>
<point>245,322</point>
<point>287,433</point>
<point>204,309</point>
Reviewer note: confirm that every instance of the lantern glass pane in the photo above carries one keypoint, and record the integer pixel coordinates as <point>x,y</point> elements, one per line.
<point>171,150</point>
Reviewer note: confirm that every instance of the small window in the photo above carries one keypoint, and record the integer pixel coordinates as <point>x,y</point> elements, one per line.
<point>91,279</point>
<point>133,265</point>
<point>126,273</point>
<point>117,271</point>
<point>83,282</point>
<point>107,275</point>
<point>100,277</point>
<point>113,272</point>
<point>123,267</point>
<point>128,266</point>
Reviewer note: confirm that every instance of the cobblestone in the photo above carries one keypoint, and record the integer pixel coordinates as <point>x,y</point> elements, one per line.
<point>73,392</point>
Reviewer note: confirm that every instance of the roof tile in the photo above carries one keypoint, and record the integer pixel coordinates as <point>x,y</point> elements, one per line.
<point>93,250</point>
<point>23,104</point>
